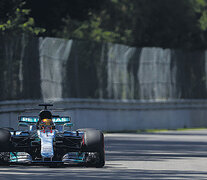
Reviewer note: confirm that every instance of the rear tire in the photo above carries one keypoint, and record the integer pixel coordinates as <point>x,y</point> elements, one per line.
<point>94,142</point>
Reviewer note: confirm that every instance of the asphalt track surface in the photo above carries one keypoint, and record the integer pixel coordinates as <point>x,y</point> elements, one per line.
<point>166,155</point>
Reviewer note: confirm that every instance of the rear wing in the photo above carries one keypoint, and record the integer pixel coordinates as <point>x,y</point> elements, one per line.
<point>34,119</point>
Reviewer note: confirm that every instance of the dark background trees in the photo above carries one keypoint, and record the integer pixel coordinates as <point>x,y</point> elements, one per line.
<point>160,23</point>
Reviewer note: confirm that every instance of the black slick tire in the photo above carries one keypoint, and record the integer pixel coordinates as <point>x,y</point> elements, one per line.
<point>94,142</point>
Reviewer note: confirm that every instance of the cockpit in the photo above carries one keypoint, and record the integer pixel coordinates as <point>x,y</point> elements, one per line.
<point>45,121</point>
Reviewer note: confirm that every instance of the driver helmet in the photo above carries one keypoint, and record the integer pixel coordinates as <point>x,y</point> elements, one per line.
<point>45,120</point>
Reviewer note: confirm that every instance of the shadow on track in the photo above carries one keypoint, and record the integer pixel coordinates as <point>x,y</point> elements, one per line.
<point>149,149</point>
<point>83,173</point>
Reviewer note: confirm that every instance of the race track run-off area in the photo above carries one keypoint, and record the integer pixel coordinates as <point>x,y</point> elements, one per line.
<point>164,155</point>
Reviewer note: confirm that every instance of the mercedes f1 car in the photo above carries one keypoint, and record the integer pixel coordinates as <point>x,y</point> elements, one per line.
<point>49,139</point>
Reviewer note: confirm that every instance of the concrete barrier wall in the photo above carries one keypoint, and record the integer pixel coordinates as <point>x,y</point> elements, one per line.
<point>112,115</point>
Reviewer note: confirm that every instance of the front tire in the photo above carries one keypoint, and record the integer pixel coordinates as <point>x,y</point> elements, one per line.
<point>5,136</point>
<point>94,145</point>
<point>4,146</point>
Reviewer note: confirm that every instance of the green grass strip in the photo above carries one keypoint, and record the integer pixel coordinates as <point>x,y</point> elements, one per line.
<point>155,130</point>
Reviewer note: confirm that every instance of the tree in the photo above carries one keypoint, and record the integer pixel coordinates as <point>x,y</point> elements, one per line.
<point>160,23</point>
<point>20,22</point>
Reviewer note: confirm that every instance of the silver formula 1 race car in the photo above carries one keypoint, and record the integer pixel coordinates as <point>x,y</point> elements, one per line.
<point>48,139</point>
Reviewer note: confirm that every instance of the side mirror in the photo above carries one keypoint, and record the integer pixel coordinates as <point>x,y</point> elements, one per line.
<point>23,124</point>
<point>68,124</point>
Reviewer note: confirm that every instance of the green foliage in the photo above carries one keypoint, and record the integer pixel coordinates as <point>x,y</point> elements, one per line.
<point>20,23</point>
<point>200,7</point>
<point>90,30</point>
<point>100,26</point>
<point>203,21</point>
<point>160,23</point>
